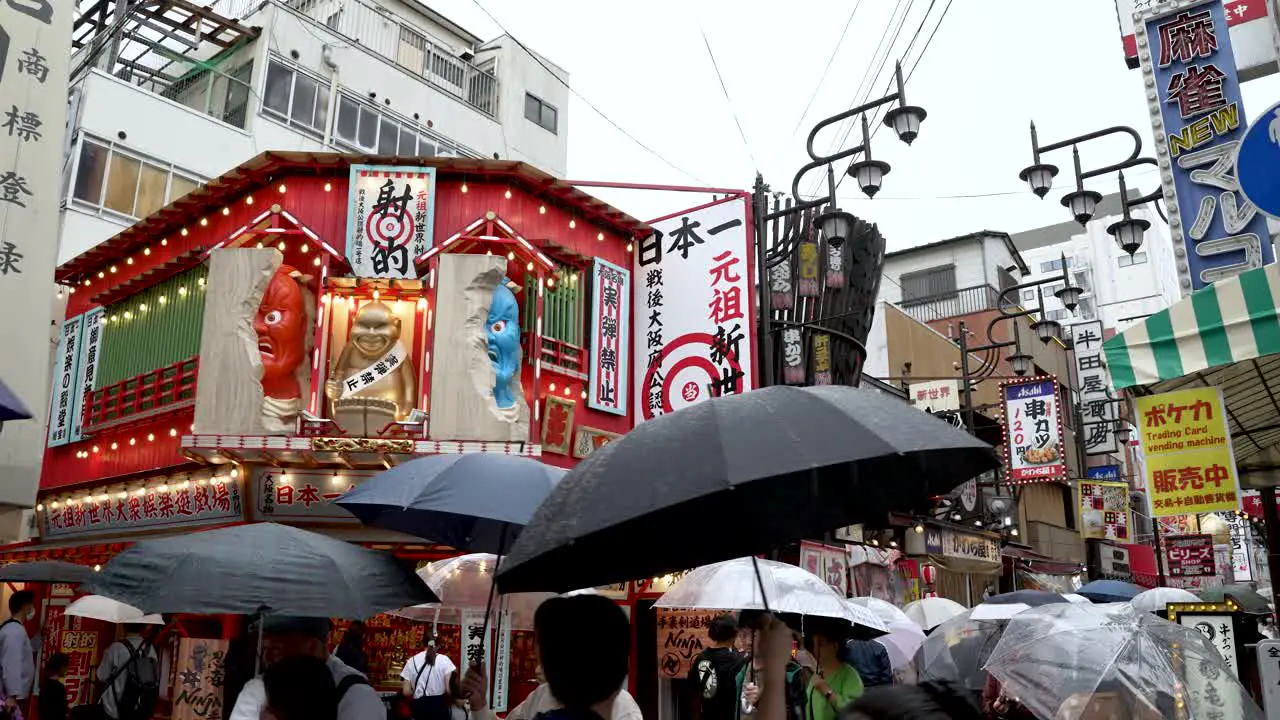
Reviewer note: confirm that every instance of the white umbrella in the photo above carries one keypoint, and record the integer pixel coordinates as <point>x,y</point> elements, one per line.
<point>734,585</point>
<point>929,613</point>
<point>1155,599</point>
<point>1076,598</point>
<point>98,607</point>
<point>904,638</point>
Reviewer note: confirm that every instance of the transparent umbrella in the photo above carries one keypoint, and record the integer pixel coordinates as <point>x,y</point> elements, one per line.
<point>463,584</point>
<point>1155,599</point>
<point>904,636</point>
<point>1065,660</point>
<point>956,650</point>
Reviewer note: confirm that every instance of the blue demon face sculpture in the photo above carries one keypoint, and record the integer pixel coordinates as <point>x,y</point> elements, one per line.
<point>503,331</point>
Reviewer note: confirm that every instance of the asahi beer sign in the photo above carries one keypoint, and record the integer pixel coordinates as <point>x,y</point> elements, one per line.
<point>610,335</point>
<point>390,217</point>
<point>694,302</point>
<point>1033,431</point>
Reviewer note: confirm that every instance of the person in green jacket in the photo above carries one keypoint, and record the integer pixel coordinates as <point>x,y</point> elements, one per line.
<point>834,684</point>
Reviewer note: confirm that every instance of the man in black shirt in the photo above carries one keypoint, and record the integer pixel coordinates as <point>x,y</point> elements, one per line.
<point>714,673</point>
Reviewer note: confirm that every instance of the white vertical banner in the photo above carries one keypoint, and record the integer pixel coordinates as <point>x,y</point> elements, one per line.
<point>87,374</point>
<point>35,41</point>
<point>475,643</point>
<point>391,213</point>
<point>502,663</point>
<point>62,398</point>
<point>1241,546</point>
<point>1097,411</point>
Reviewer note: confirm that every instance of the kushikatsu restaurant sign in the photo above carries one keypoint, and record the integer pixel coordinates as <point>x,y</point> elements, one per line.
<point>694,301</point>
<point>1033,431</point>
<point>184,504</point>
<point>390,217</point>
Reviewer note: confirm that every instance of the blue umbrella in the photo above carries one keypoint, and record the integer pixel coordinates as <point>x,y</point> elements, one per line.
<point>1105,591</point>
<point>475,502</point>
<point>11,408</point>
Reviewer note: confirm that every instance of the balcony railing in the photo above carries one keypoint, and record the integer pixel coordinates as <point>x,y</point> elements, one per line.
<point>381,31</point>
<point>952,304</point>
<point>143,397</point>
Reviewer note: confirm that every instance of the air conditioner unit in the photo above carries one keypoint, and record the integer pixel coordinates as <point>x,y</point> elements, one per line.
<point>467,55</point>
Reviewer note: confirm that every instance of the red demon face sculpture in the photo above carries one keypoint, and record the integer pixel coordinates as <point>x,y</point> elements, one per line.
<point>281,325</point>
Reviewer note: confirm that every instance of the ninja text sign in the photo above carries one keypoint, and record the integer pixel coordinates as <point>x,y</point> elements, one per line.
<point>694,315</point>
<point>682,634</point>
<point>1033,431</point>
<point>390,217</point>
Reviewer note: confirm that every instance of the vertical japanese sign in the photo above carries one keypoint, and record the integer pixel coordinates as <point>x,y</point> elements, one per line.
<point>81,647</point>
<point>502,664</point>
<point>1241,547</point>
<point>1196,104</point>
<point>390,218</point>
<point>1098,410</point>
<point>1033,431</point>
<point>34,39</point>
<point>1190,555</point>
<point>1210,688</point>
<point>63,395</point>
<point>694,301</point>
<point>87,374</point>
<point>821,359</point>
<point>610,329</point>
<point>475,641</point>
<point>200,672</point>
<point>1104,511</point>
<point>1189,461</point>
<point>792,356</point>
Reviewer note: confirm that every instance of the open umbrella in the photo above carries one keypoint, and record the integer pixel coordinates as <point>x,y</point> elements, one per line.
<point>474,502</point>
<point>1246,597</point>
<point>1006,605</point>
<point>464,583</point>
<point>11,408</point>
<point>262,566</point>
<point>904,636</point>
<point>1060,659</point>
<point>1155,599</point>
<point>112,611</point>
<point>931,612</point>
<point>956,650</point>
<point>787,589</point>
<point>748,472</point>
<point>46,571</point>
<point>1108,591</point>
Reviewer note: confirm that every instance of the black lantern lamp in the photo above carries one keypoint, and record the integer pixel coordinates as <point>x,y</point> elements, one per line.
<point>1128,232</point>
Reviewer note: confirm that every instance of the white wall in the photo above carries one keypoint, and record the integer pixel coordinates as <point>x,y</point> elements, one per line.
<point>521,73</point>
<point>975,262</point>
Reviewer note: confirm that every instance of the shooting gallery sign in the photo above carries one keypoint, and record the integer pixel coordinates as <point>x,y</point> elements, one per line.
<point>610,331</point>
<point>390,213</point>
<point>1033,431</point>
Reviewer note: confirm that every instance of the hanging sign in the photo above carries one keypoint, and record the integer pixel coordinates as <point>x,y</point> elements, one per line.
<point>1190,555</point>
<point>153,508</point>
<point>835,266</point>
<point>821,359</point>
<point>934,396</point>
<point>304,494</point>
<point>390,217</point>
<point>1033,431</point>
<point>199,669</point>
<point>682,634</point>
<point>610,332</point>
<point>1097,410</point>
<point>1187,59</point>
<point>792,356</point>
<point>81,649</point>
<point>1269,672</point>
<point>87,372</point>
<point>1241,547</point>
<point>1109,473</point>
<point>62,401</point>
<point>808,280</point>
<point>475,640</point>
<point>1104,511</point>
<point>780,285</point>
<point>1189,462</point>
<point>695,303</point>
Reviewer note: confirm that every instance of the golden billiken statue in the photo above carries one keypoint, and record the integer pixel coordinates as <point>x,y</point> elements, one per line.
<point>374,364</point>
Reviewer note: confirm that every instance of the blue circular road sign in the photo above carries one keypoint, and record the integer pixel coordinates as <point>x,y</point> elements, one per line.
<point>1258,162</point>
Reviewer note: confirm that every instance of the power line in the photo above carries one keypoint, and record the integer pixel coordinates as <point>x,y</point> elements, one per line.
<point>830,59</point>
<point>581,97</point>
<point>736,120</point>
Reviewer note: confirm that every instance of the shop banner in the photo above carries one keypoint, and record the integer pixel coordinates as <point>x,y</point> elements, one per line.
<point>1220,631</point>
<point>682,634</point>
<point>502,665</point>
<point>1189,461</point>
<point>153,508</point>
<point>1097,410</point>
<point>477,644</point>
<point>935,396</point>
<point>390,214</point>
<point>1241,547</point>
<point>304,494</point>
<point>1104,472</point>
<point>961,546</point>
<point>610,336</point>
<point>1187,58</point>
<point>694,299</point>
<point>65,370</point>
<point>200,671</point>
<point>87,372</point>
<point>81,647</point>
<point>829,562</point>
<point>792,356</point>
<point>1190,555</point>
<point>1104,511</point>
<point>1033,431</point>
<point>1247,21</point>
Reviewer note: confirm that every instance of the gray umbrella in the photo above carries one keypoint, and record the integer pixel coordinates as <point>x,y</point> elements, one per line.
<point>263,566</point>
<point>46,571</point>
<point>736,476</point>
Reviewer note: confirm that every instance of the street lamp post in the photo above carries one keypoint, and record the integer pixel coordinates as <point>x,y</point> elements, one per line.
<point>1082,203</point>
<point>834,225</point>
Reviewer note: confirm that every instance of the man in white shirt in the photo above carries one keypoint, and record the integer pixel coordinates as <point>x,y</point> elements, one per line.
<point>542,701</point>
<point>17,660</point>
<point>285,636</point>
<point>427,678</point>
<point>114,666</point>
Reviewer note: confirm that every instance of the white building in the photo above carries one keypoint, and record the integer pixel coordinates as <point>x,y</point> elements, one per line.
<point>167,95</point>
<point>1118,288</point>
<point>953,277</point>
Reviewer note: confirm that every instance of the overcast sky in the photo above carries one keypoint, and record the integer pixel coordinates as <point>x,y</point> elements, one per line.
<point>993,66</point>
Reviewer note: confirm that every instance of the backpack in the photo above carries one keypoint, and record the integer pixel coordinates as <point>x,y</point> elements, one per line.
<point>349,682</point>
<point>141,693</point>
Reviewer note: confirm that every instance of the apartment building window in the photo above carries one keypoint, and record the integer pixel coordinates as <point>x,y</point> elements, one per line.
<point>365,127</point>
<point>930,283</point>
<point>109,178</point>
<point>540,113</point>
<point>295,97</point>
<point>1129,260</point>
<point>1029,294</point>
<point>1055,265</point>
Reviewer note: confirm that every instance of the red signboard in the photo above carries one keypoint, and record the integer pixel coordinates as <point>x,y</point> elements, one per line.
<point>1190,555</point>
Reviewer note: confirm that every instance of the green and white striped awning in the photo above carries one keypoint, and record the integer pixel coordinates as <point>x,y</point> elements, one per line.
<point>1225,323</point>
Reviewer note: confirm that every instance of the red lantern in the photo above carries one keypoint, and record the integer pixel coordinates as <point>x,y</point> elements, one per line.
<point>929,574</point>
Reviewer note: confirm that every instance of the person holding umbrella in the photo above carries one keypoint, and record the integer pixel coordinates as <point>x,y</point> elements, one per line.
<point>836,684</point>
<point>715,670</point>
<point>428,676</point>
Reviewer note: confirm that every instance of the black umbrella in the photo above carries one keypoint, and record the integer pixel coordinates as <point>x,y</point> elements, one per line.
<point>259,567</point>
<point>737,476</point>
<point>46,571</point>
<point>475,503</point>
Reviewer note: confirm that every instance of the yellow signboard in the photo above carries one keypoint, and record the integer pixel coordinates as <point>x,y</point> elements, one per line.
<point>1190,467</point>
